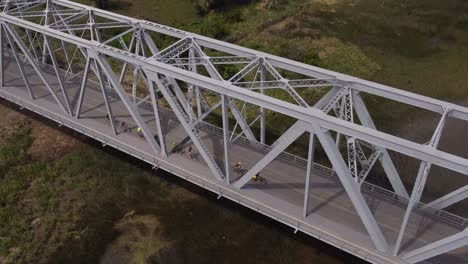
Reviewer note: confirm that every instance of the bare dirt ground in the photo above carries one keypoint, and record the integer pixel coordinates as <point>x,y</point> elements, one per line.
<point>48,142</point>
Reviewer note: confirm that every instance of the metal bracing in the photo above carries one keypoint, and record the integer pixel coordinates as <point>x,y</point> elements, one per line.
<point>384,158</point>
<point>157,118</point>
<point>188,126</point>
<point>232,105</point>
<point>437,248</point>
<point>20,64</point>
<point>287,85</point>
<point>105,95</point>
<point>420,182</point>
<point>449,199</point>
<point>13,37</point>
<point>262,110</point>
<point>279,146</point>
<point>132,109</point>
<point>174,70</point>
<point>57,72</point>
<point>84,83</point>
<point>351,187</point>
<point>226,141</point>
<point>310,167</point>
<point>311,115</point>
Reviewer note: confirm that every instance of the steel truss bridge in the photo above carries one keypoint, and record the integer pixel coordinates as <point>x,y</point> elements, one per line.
<point>105,74</point>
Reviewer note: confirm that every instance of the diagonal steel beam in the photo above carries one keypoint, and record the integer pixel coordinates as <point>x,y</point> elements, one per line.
<point>84,82</point>
<point>231,104</point>
<point>157,117</point>
<point>351,187</point>
<point>310,168</point>
<point>20,44</point>
<point>385,159</point>
<point>420,183</point>
<point>57,73</point>
<point>286,139</point>
<point>449,199</point>
<point>287,86</point>
<point>132,109</point>
<point>20,65</point>
<point>188,126</point>
<point>437,248</point>
<point>106,97</point>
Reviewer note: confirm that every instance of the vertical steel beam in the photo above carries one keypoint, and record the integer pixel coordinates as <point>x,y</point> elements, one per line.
<point>227,143</point>
<point>84,82</point>
<point>310,168</point>
<point>154,102</point>
<point>352,188</point>
<point>262,110</point>
<point>106,97</point>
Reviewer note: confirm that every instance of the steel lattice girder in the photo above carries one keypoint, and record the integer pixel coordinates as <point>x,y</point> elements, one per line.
<point>311,119</point>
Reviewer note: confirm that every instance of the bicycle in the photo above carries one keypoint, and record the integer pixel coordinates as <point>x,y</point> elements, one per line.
<point>259,179</point>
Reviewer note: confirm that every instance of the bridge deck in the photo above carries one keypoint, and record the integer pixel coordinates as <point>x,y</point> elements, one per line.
<point>332,216</point>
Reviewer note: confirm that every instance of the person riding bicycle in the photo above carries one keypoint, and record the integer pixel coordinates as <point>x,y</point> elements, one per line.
<point>139,131</point>
<point>258,178</point>
<point>238,167</point>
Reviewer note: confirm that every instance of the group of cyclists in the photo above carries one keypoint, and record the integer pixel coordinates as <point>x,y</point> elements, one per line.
<point>237,166</point>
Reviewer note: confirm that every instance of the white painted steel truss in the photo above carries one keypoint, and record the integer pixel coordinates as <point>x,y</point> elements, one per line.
<point>198,76</point>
